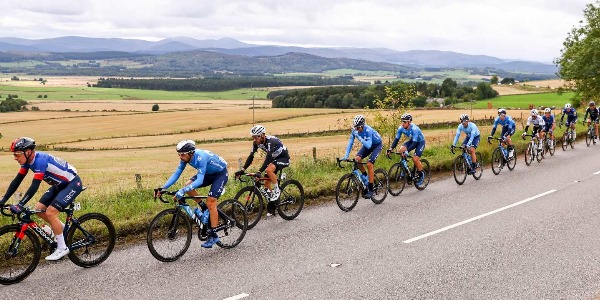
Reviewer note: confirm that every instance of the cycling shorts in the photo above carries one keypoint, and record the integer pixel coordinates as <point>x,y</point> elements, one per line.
<point>216,181</point>
<point>373,153</point>
<point>507,130</point>
<point>60,196</point>
<point>571,120</point>
<point>419,147</point>
<point>475,141</point>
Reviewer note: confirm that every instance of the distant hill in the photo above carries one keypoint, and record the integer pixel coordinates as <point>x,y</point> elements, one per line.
<point>417,58</point>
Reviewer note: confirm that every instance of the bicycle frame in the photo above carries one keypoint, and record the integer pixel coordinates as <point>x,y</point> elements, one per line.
<point>355,168</point>
<point>503,150</point>
<point>404,163</point>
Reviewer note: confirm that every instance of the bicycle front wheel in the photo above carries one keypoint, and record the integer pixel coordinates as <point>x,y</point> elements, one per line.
<point>529,154</point>
<point>460,170</point>
<point>552,147</point>
<point>252,201</point>
<point>512,162</point>
<point>291,200</point>
<point>380,186</point>
<point>565,140</point>
<point>232,216</point>
<point>497,161</point>
<point>91,239</point>
<point>347,192</point>
<point>17,261</point>
<point>169,235</point>
<point>479,168</point>
<point>588,138</point>
<point>397,179</point>
<point>427,177</point>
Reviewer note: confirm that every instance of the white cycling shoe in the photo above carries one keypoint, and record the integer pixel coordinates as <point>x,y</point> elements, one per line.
<point>57,254</point>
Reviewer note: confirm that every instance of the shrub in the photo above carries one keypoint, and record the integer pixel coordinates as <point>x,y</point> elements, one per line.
<point>155,107</point>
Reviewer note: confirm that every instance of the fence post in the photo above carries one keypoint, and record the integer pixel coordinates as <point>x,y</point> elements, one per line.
<point>138,180</point>
<point>314,153</point>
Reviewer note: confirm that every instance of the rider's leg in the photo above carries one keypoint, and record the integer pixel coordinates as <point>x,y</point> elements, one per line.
<point>271,174</point>
<point>417,162</point>
<point>211,202</point>
<point>473,156</point>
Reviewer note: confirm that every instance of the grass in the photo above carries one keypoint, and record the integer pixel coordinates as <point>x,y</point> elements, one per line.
<point>523,101</point>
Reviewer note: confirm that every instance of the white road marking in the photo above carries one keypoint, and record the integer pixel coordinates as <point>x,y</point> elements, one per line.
<point>236,297</point>
<point>476,218</point>
<point>597,173</point>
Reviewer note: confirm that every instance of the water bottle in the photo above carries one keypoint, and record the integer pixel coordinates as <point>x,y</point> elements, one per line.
<point>204,218</point>
<point>198,213</point>
<point>48,231</point>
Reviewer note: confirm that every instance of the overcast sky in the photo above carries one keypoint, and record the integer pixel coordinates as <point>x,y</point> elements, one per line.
<point>510,29</point>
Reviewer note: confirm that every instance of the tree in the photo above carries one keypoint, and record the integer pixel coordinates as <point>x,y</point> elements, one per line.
<point>508,80</point>
<point>494,79</point>
<point>448,86</point>
<point>579,61</point>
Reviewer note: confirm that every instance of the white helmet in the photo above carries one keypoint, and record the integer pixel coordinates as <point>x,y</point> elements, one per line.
<point>501,111</point>
<point>534,112</point>
<point>186,146</point>
<point>568,105</point>
<point>258,130</point>
<point>464,117</point>
<point>359,120</point>
<point>547,110</point>
<point>406,117</point>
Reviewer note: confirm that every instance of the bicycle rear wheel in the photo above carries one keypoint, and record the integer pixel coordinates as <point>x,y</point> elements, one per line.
<point>169,235</point>
<point>427,171</point>
<point>236,223</point>
<point>529,154</point>
<point>347,192</point>
<point>396,179</point>
<point>460,170</point>
<point>252,201</point>
<point>512,162</point>
<point>497,161</point>
<point>552,148</point>
<point>572,140</point>
<point>479,168</point>
<point>588,137</point>
<point>291,200</point>
<point>380,186</point>
<point>91,240</point>
<point>17,264</point>
<point>539,153</point>
<point>565,140</point>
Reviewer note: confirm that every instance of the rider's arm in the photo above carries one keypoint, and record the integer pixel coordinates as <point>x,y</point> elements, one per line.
<point>562,117</point>
<point>368,140</point>
<point>250,157</point>
<point>35,185</point>
<point>199,177</point>
<point>474,132</point>
<point>14,185</point>
<point>397,139</point>
<point>526,128</point>
<point>175,175</point>
<point>495,125</point>
<point>458,130</point>
<point>350,142</point>
<point>587,110</point>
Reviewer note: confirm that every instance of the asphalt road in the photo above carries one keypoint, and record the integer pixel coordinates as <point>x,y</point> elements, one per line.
<point>526,234</point>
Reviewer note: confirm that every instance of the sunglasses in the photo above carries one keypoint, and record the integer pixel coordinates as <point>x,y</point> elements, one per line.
<point>405,121</point>
<point>181,154</point>
<point>18,154</point>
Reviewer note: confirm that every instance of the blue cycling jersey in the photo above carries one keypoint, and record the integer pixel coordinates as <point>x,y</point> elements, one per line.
<point>508,121</point>
<point>571,112</point>
<point>49,168</point>
<point>471,131</point>
<point>548,121</point>
<point>413,133</point>
<point>368,137</point>
<point>205,162</point>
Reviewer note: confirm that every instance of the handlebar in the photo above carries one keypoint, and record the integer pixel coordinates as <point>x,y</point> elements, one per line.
<point>462,147</point>
<point>250,175</point>
<point>7,208</point>
<point>158,193</point>
<point>339,161</point>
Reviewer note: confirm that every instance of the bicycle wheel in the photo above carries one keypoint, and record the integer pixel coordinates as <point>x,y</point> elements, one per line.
<point>529,154</point>
<point>347,192</point>
<point>552,149</point>
<point>17,264</point>
<point>291,200</point>
<point>252,201</point>
<point>460,170</point>
<point>588,138</point>
<point>380,186</point>
<point>512,162</point>
<point>169,235</point>
<point>497,161</point>
<point>235,222</point>
<point>572,141</point>
<point>427,171</point>
<point>396,179</point>
<point>565,141</point>
<point>91,240</point>
<point>479,168</point>
<point>539,152</point>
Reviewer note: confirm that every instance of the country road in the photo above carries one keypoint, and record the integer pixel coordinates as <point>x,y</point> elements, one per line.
<point>531,233</point>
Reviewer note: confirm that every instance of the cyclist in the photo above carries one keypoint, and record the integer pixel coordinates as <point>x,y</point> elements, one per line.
<point>571,114</point>
<point>371,146</point>
<point>508,129</point>
<point>416,141</point>
<point>593,111</point>
<point>537,122</point>
<point>471,139</point>
<point>549,125</point>
<point>212,170</point>
<point>276,158</point>
<point>65,186</point>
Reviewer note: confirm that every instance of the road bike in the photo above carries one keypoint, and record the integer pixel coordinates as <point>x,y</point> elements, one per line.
<point>351,185</point>
<point>548,144</point>
<point>90,238</point>
<point>567,139</point>
<point>289,204</point>
<point>405,172</point>
<point>463,165</point>
<point>170,232</point>
<point>534,149</point>
<point>500,157</point>
<point>590,136</point>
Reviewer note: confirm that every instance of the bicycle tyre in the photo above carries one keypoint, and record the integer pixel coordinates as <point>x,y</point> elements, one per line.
<point>427,170</point>
<point>103,235</point>
<point>396,179</point>
<point>161,236</point>
<point>588,138</point>
<point>380,186</point>
<point>233,234</point>
<point>497,161</point>
<point>460,170</point>
<point>16,268</point>
<point>291,200</point>
<point>539,153</point>
<point>253,203</point>
<point>529,154</point>
<point>347,192</point>
<point>512,162</point>
<point>479,169</point>
<point>552,149</point>
<point>565,142</point>
<point>572,141</point>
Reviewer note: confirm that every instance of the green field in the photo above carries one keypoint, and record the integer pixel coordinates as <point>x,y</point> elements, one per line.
<point>523,101</point>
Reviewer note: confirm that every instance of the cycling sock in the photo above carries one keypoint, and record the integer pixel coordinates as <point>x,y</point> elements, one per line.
<point>60,240</point>
<point>370,186</point>
<point>364,173</point>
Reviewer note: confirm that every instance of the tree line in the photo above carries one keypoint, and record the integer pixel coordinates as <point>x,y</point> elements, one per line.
<point>12,103</point>
<point>217,84</point>
<point>421,94</point>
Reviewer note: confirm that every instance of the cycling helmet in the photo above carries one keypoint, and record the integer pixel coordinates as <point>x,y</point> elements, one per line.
<point>359,120</point>
<point>22,144</point>
<point>547,110</point>
<point>186,146</point>
<point>258,130</point>
<point>501,111</point>
<point>534,112</point>
<point>568,105</point>
<point>406,117</point>
<point>464,117</point>
<point>592,103</point>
